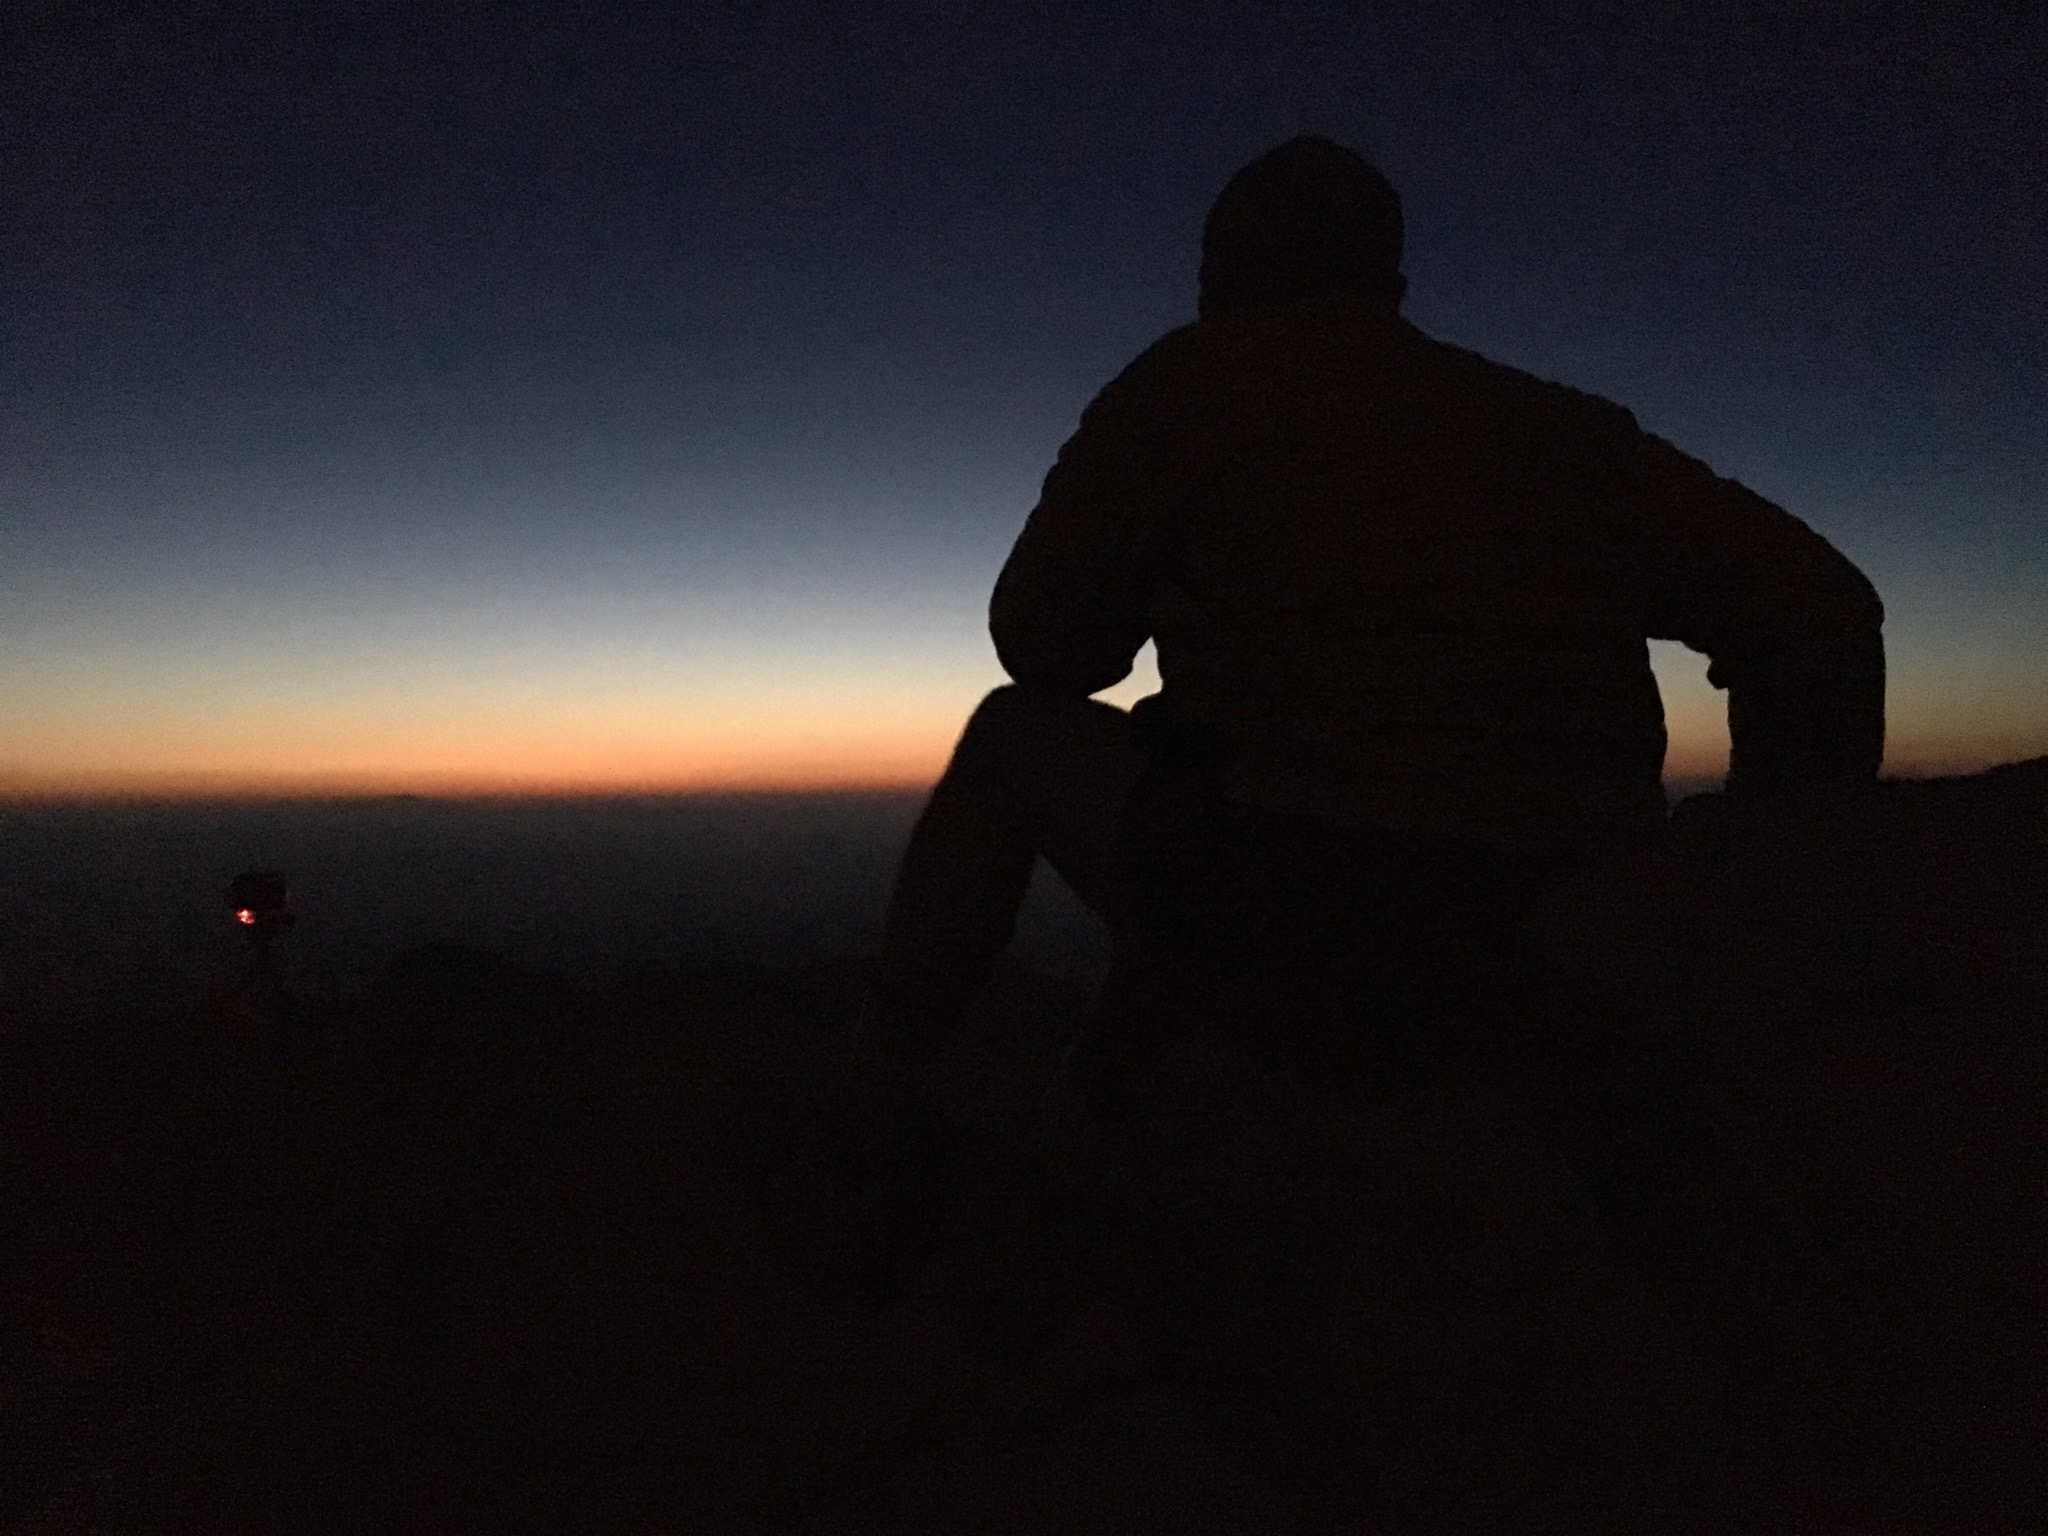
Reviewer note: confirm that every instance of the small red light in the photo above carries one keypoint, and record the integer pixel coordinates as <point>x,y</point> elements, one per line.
<point>245,917</point>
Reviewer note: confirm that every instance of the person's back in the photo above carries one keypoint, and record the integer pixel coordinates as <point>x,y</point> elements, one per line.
<point>1402,597</point>
<point>1400,593</point>
<point>1407,588</point>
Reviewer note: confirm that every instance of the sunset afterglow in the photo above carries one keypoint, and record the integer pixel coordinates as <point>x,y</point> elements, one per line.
<point>389,411</point>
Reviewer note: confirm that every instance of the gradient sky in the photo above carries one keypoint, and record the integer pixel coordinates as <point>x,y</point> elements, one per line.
<point>500,396</point>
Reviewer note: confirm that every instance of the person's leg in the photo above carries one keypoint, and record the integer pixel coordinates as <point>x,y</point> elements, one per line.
<point>1033,774</point>
<point>1625,1080</point>
<point>1612,1058</point>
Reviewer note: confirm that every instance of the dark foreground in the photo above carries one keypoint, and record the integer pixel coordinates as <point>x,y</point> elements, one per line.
<point>477,1250</point>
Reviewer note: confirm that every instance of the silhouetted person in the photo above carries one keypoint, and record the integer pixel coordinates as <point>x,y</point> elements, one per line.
<point>1400,596</point>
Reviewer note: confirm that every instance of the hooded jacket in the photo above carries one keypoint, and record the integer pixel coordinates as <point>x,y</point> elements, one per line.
<point>1405,588</point>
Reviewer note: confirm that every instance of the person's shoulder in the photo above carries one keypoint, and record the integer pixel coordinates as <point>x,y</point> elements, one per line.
<point>1170,352</point>
<point>1340,321</point>
<point>1232,351</point>
<point>1548,398</point>
<point>1157,379</point>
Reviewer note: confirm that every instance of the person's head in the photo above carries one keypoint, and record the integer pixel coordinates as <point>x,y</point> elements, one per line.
<point>1307,219</point>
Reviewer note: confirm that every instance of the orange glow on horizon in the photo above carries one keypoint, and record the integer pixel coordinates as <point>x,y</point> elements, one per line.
<point>571,768</point>
<point>911,769</point>
<point>549,748</point>
<point>877,730</point>
<point>481,783</point>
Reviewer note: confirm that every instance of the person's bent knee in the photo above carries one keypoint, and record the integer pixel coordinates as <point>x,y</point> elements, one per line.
<point>1017,718</point>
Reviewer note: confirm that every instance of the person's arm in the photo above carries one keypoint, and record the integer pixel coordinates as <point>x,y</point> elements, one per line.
<point>1793,629</point>
<point>1072,606</point>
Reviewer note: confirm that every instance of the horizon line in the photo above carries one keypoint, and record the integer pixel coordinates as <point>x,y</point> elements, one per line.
<point>222,787</point>
<point>222,790</point>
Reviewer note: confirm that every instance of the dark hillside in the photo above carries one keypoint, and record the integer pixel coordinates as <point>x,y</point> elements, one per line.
<point>107,908</point>
<point>475,1248</point>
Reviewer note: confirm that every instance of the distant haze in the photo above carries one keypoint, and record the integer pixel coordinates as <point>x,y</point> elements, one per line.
<point>116,915</point>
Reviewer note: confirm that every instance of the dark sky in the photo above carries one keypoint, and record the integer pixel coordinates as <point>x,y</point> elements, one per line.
<point>619,393</point>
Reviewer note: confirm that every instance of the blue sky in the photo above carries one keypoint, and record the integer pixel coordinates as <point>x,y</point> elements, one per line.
<point>433,396</point>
